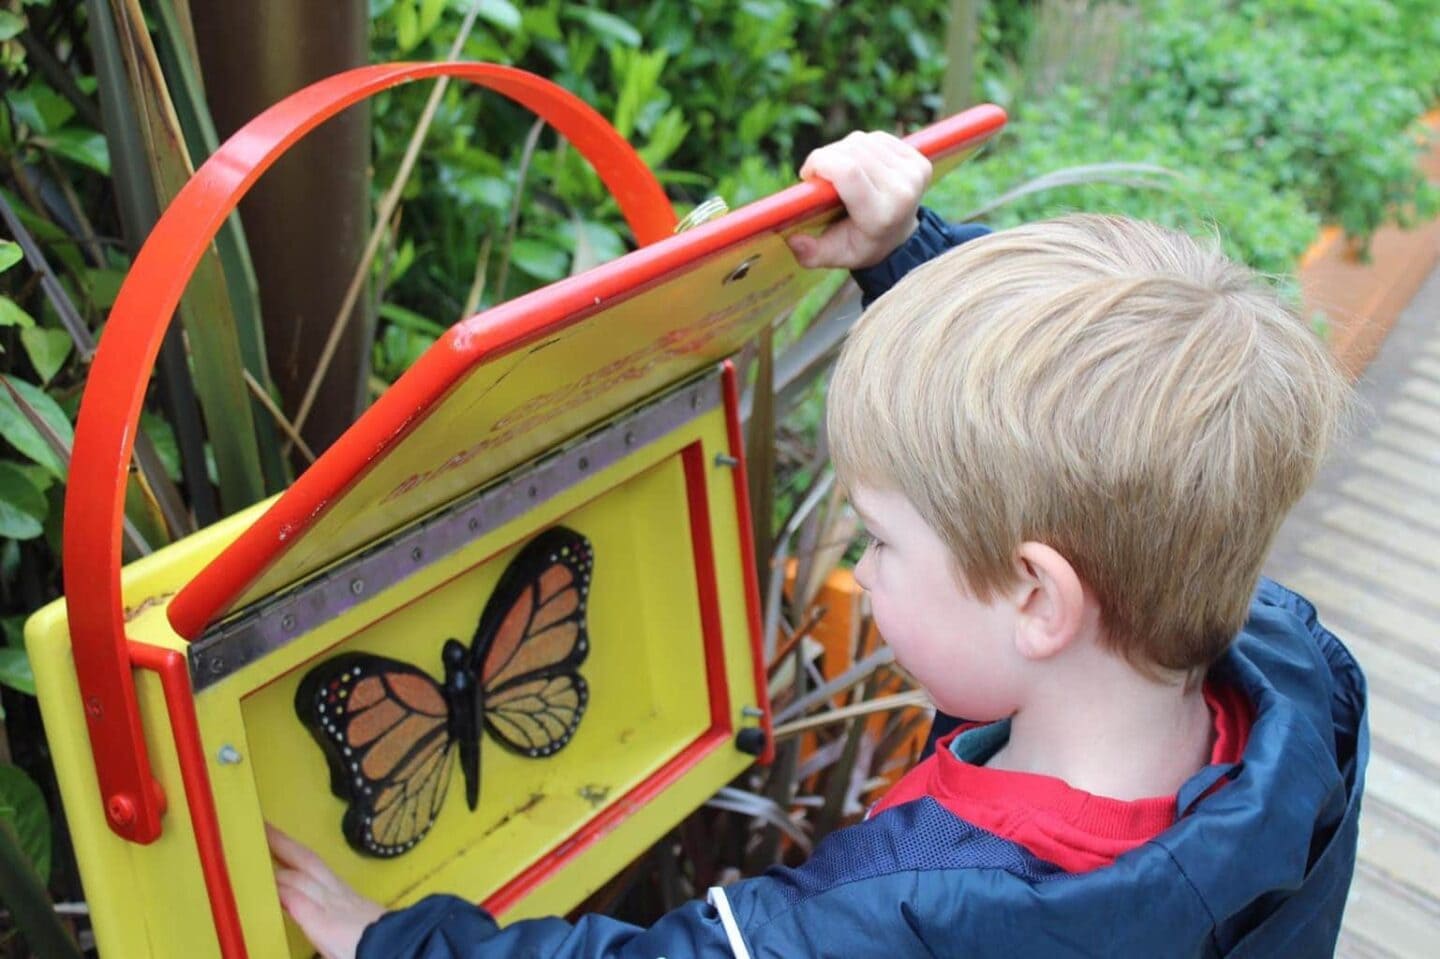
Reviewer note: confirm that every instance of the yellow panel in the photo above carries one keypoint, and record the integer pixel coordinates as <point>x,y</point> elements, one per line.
<point>649,700</point>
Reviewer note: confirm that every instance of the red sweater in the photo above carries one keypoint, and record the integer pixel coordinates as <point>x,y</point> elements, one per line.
<point>1069,827</point>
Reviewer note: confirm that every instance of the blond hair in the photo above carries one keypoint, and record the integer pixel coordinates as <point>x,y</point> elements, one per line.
<point>1111,388</point>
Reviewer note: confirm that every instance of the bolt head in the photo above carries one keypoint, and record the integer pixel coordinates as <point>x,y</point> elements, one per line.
<point>120,809</point>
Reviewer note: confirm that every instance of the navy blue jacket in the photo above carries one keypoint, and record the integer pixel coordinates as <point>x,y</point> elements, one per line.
<point>1259,868</point>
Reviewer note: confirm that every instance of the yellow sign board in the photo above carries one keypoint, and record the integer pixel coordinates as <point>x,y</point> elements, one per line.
<point>497,640</point>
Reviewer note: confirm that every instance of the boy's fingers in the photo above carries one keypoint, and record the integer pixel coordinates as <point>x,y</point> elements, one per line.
<point>834,247</point>
<point>292,852</point>
<point>864,202</point>
<point>803,246</point>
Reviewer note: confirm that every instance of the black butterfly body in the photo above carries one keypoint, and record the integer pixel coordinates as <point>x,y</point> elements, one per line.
<point>387,728</point>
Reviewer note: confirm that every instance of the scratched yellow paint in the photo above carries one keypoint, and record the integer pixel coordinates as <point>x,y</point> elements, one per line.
<point>505,412</point>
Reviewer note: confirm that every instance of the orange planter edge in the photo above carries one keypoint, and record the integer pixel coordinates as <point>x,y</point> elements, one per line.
<point>1361,301</point>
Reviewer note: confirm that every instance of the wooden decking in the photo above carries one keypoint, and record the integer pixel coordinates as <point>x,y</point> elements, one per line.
<point>1364,545</point>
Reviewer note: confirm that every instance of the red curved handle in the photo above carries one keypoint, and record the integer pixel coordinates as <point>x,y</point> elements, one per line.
<point>110,409</point>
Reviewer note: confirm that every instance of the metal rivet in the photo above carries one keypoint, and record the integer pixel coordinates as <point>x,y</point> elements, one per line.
<point>474,524</point>
<point>228,755</point>
<point>417,554</point>
<point>287,622</point>
<point>121,810</point>
<point>217,665</point>
<point>584,463</point>
<point>357,586</point>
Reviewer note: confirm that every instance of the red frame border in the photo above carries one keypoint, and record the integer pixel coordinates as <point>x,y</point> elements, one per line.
<point>110,408</point>
<point>172,668</point>
<point>174,674</point>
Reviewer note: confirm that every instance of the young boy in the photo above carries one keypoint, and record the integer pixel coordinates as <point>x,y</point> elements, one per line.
<point>1072,443</point>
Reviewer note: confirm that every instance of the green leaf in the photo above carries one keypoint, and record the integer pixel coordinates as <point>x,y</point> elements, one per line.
<point>11,25</point>
<point>12,315</point>
<point>539,259</point>
<point>407,26</point>
<point>540,23</point>
<point>23,435</point>
<point>502,13</point>
<point>22,506</point>
<point>15,670</point>
<point>162,435</point>
<point>14,629</point>
<point>607,25</point>
<point>48,350</point>
<point>10,254</point>
<point>86,147</point>
<point>40,108</point>
<point>411,320</point>
<point>104,286</point>
<point>430,11</point>
<point>23,805</point>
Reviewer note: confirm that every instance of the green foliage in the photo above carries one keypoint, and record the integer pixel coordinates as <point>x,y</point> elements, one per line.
<point>22,806</point>
<point>1271,91</point>
<point>718,96</point>
<point>1257,224</point>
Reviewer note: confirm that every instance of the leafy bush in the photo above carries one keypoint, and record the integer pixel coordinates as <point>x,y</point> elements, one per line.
<point>729,115</point>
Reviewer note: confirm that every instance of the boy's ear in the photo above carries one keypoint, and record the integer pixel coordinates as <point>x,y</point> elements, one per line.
<point>1049,602</point>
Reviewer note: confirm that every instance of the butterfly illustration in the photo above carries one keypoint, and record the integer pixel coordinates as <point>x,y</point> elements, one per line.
<point>387,728</point>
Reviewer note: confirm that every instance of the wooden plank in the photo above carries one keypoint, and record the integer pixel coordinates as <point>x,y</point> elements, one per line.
<point>1382,569</point>
<point>1415,444</point>
<point>1416,415</point>
<point>1399,850</point>
<point>1383,664</point>
<point>1351,945</point>
<point>1397,627</point>
<point>1392,721</point>
<point>1422,388</point>
<point>1393,498</point>
<point>1387,921</point>
<point>1402,538</point>
<point>1407,469</point>
<point>1407,790</point>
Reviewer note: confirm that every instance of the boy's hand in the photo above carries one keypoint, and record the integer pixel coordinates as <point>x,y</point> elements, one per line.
<point>331,914</point>
<point>880,179</point>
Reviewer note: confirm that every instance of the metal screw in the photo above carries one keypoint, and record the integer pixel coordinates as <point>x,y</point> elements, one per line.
<point>228,755</point>
<point>534,492</point>
<point>417,554</point>
<point>725,459</point>
<point>629,438</point>
<point>741,271</point>
<point>121,810</point>
<point>357,586</point>
<point>584,464</point>
<point>474,524</point>
<point>93,707</point>
<point>217,665</point>
<point>287,622</point>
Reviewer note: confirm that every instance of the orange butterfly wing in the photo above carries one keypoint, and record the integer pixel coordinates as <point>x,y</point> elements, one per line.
<point>384,728</point>
<point>531,641</point>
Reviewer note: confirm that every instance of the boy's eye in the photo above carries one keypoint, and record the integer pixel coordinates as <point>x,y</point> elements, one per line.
<point>873,541</point>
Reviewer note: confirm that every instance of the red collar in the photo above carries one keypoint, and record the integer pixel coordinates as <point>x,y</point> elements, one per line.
<point>1069,827</point>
